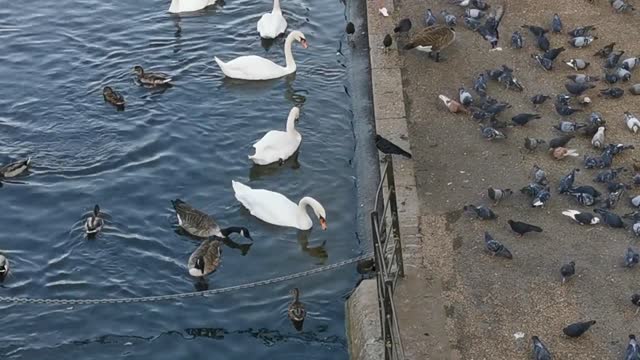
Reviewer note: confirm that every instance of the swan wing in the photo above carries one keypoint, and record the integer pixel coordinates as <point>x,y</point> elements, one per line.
<point>268,206</point>
<point>252,67</point>
<point>275,145</point>
<point>271,25</point>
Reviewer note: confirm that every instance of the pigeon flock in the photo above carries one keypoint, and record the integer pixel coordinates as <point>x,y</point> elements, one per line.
<point>597,187</point>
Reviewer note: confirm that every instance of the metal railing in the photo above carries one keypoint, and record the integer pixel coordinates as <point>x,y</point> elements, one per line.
<point>387,250</point>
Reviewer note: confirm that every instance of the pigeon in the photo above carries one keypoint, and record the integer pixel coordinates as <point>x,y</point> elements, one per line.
<point>543,43</point>
<point>472,24</point>
<point>581,78</point>
<point>539,99</point>
<point>465,97</point>
<point>582,218</point>
<point>636,228</point>
<point>556,24</point>
<point>631,257</point>
<point>516,40</point>
<point>429,18</point>
<point>523,119</point>
<point>614,197</point>
<point>632,122</point>
<point>489,30</point>
<point>598,139</point>
<point>350,28</point>
<point>540,351</point>
<point>565,110</point>
<point>541,198</point>
<point>612,93</point>
<point>596,118</point>
<point>498,194</point>
<point>613,59</point>
<point>584,199</point>
<point>605,51</point>
<point>552,54</point>
<point>568,126</point>
<point>609,218</point>
<point>522,228</point>
<point>535,30</point>
<point>388,147</point>
<point>635,300</point>
<point>567,270</point>
<point>449,19</point>
<point>621,5</point>
<point>490,133</point>
<point>538,175</point>
<point>560,141</point>
<point>635,201</point>
<point>576,88</point>
<point>582,41</point>
<point>544,62</point>
<point>577,329</point>
<point>578,64</point>
<point>608,176</point>
<point>561,153</point>
<point>495,247</point>
<point>623,74</point>
<point>403,26</point>
<point>532,143</point>
<point>462,3</point>
<point>474,13</point>
<point>480,84</point>
<point>566,183</point>
<point>630,63</point>
<point>581,31</point>
<point>635,89</point>
<point>633,351</point>
<point>386,42</point>
<point>482,212</point>
<point>533,189</point>
<point>587,189</point>
<point>480,4</point>
<point>452,105</point>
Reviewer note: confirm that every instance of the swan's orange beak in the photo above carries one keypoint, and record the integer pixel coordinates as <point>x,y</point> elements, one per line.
<point>304,43</point>
<point>323,223</point>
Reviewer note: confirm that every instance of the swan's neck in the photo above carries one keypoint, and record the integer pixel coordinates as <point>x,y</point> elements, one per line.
<point>288,55</point>
<point>291,124</point>
<point>311,202</point>
<point>276,6</point>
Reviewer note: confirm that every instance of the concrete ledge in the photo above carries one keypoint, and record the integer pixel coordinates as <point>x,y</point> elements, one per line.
<point>363,323</point>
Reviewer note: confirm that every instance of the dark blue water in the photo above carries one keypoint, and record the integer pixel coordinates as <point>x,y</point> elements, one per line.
<point>189,141</point>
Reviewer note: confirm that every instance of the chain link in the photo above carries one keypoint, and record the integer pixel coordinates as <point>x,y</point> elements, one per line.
<point>21,300</point>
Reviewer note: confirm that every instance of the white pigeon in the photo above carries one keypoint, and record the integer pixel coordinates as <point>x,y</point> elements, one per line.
<point>632,122</point>
<point>598,138</point>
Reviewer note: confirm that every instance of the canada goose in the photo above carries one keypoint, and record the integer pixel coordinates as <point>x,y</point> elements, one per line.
<point>113,97</point>
<point>94,222</point>
<point>432,39</point>
<point>151,78</point>
<point>4,267</point>
<point>15,168</point>
<point>205,259</point>
<point>200,224</point>
<point>296,310</point>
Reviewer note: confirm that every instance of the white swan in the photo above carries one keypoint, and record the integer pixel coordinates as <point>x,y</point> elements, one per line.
<point>278,146</point>
<point>272,24</point>
<point>178,6</point>
<point>275,208</point>
<point>254,67</point>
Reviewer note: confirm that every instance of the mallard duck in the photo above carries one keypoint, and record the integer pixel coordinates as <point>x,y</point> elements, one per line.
<point>94,222</point>
<point>200,224</point>
<point>113,97</point>
<point>205,259</point>
<point>4,267</point>
<point>276,209</point>
<point>15,168</point>
<point>432,39</point>
<point>296,311</point>
<point>151,78</point>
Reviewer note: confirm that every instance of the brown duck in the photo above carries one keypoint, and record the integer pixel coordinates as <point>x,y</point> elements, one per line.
<point>432,39</point>
<point>113,97</point>
<point>296,310</point>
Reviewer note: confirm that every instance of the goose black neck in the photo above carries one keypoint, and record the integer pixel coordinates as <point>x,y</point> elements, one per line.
<point>230,230</point>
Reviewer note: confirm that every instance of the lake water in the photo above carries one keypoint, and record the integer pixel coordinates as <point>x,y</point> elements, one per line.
<point>189,141</point>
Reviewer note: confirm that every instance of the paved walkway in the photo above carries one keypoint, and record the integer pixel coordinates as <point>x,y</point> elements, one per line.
<point>457,302</point>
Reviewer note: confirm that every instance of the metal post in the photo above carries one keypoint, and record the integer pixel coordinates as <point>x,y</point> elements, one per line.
<point>391,183</point>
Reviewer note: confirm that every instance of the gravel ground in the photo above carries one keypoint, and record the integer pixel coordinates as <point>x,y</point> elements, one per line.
<point>490,299</point>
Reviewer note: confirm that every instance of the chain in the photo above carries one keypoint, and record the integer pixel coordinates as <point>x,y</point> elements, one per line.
<point>21,300</point>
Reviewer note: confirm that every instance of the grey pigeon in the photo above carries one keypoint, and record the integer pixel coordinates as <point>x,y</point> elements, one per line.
<point>490,133</point>
<point>482,212</point>
<point>623,74</point>
<point>582,41</point>
<point>480,4</point>
<point>535,30</point>
<point>532,143</point>
<point>388,147</point>
<point>495,247</point>
<point>540,352</point>
<point>612,93</point>
<point>480,84</point>
<point>583,198</point>
<point>607,176</point>
<point>596,118</point>
<point>565,110</point>
<point>544,62</point>
<point>538,175</point>
<point>633,350</point>
<point>611,77</point>
<point>552,54</point>
<point>588,189</point>
<point>578,64</point>
<point>613,59</point>
<point>631,257</point>
<point>523,119</point>
<point>630,63</point>
<point>489,30</point>
<point>605,51</point>
<point>636,228</point>
<point>532,190</point>
<point>496,194</point>
<point>566,183</point>
<point>621,5</point>
<point>403,26</point>
<point>429,18</point>
<point>577,329</point>
<point>635,89</point>
<point>567,270</point>
<point>581,31</point>
<point>539,99</point>
<point>581,78</point>
<point>465,97</point>
<point>541,198</point>
<point>609,218</point>
<point>576,88</point>
<point>474,13</point>
<point>556,24</point>
<point>516,40</point>
<point>560,141</point>
<point>472,24</point>
<point>449,19</point>
<point>635,201</point>
<point>543,43</point>
<point>568,126</point>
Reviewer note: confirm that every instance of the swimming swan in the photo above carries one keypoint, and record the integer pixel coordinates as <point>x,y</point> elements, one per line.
<point>178,6</point>
<point>272,24</point>
<point>276,209</point>
<point>254,67</point>
<point>278,146</point>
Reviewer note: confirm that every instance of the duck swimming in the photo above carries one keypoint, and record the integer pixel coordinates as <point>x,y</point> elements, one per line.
<point>200,224</point>
<point>15,168</point>
<point>4,267</point>
<point>296,310</point>
<point>205,259</point>
<point>151,79</point>
<point>94,222</point>
<point>113,97</point>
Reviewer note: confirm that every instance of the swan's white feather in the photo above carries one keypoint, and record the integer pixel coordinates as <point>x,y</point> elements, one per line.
<point>252,67</point>
<point>275,145</point>
<point>271,25</point>
<point>178,6</point>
